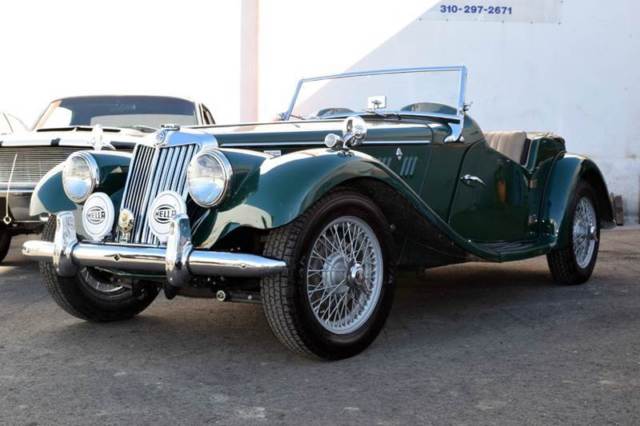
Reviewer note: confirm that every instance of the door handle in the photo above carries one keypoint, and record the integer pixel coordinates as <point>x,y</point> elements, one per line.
<point>471,180</point>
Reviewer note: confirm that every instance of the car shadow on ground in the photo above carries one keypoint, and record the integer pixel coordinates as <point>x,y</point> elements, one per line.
<point>440,305</point>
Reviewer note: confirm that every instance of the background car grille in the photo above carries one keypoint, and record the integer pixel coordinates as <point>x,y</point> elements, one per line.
<point>32,162</point>
<point>152,171</point>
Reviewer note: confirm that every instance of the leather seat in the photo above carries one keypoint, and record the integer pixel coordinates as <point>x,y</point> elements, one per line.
<point>514,145</point>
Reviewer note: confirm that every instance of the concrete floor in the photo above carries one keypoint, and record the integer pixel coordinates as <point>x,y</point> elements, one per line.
<point>471,344</point>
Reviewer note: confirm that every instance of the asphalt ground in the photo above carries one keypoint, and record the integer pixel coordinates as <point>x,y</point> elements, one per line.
<point>470,344</point>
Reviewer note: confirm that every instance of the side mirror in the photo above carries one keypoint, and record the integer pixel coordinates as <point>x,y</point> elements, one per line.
<point>354,130</point>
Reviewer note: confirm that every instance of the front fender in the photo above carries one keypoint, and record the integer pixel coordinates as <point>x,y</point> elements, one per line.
<point>282,188</point>
<point>49,196</point>
<point>567,171</point>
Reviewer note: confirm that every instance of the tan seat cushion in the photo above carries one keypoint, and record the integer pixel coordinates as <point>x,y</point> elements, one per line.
<point>510,144</point>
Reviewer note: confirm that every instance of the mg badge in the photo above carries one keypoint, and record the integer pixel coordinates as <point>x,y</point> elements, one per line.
<point>163,133</point>
<point>160,137</point>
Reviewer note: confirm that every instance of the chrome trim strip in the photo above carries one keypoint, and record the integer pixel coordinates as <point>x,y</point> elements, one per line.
<point>320,144</point>
<point>18,183</point>
<point>410,142</point>
<point>48,143</point>
<point>7,216</point>
<point>320,121</point>
<point>15,191</point>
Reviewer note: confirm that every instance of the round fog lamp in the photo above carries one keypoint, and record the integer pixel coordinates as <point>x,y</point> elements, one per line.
<point>98,215</point>
<point>164,209</point>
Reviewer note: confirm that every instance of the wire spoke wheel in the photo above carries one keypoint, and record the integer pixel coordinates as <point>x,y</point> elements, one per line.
<point>344,274</point>
<point>336,294</point>
<point>573,261</point>
<point>584,232</point>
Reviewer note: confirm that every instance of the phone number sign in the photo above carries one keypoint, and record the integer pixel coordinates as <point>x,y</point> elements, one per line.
<point>533,11</point>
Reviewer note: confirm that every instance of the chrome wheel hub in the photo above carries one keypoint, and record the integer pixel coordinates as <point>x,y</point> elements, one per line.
<point>97,284</point>
<point>334,272</point>
<point>356,276</point>
<point>585,232</point>
<point>344,275</point>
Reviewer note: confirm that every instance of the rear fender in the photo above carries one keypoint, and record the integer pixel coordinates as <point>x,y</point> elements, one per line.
<point>568,170</point>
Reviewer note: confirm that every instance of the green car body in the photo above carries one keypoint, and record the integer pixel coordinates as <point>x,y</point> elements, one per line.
<point>520,213</point>
<point>312,215</point>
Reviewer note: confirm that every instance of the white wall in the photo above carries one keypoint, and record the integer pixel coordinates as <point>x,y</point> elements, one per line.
<point>52,49</point>
<point>577,78</point>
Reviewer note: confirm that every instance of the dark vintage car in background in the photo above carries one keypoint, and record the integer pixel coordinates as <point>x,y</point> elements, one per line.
<point>73,124</point>
<point>369,172</point>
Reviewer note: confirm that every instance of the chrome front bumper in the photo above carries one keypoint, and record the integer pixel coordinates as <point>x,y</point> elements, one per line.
<point>178,260</point>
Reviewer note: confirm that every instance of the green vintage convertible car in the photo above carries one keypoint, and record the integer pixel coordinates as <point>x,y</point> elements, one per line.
<point>366,173</point>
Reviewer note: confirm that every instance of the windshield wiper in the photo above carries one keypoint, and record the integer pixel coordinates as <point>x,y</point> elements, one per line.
<point>143,128</point>
<point>299,117</point>
<point>377,113</point>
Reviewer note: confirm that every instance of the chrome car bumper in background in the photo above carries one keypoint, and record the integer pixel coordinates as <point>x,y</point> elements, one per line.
<point>178,260</point>
<point>18,201</point>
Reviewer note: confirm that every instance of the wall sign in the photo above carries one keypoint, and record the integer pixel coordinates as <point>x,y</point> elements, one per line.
<point>533,11</point>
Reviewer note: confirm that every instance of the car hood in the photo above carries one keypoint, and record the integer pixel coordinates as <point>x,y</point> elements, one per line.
<point>79,136</point>
<point>312,132</point>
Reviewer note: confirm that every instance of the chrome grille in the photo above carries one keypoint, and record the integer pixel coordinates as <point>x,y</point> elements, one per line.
<point>152,171</point>
<point>32,163</point>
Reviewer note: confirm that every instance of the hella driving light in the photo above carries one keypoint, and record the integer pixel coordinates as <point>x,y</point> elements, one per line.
<point>167,206</point>
<point>98,215</point>
<point>80,176</point>
<point>208,178</point>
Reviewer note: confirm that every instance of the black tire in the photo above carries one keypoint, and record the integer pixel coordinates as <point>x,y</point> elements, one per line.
<point>83,301</point>
<point>563,264</point>
<point>284,296</point>
<point>5,242</point>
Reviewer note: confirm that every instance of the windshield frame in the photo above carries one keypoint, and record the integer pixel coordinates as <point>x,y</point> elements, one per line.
<point>456,121</point>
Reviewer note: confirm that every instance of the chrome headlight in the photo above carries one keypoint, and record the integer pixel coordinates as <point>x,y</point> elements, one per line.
<point>80,176</point>
<point>208,178</point>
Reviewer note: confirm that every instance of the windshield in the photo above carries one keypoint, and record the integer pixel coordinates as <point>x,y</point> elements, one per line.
<point>423,90</point>
<point>118,111</point>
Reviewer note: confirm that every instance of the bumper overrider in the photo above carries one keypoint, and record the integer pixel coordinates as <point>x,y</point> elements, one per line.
<point>178,259</point>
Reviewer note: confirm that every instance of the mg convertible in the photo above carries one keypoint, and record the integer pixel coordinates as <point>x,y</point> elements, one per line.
<point>366,173</point>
